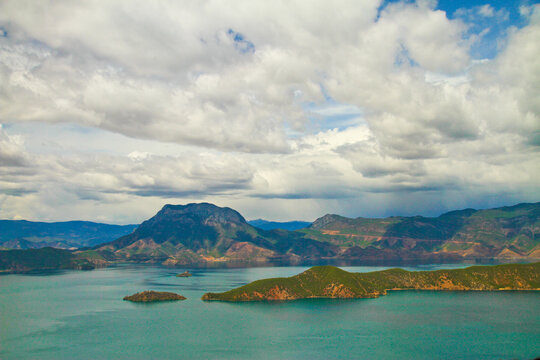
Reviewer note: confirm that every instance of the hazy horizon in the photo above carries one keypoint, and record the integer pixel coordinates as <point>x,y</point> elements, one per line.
<point>269,220</point>
<point>281,110</point>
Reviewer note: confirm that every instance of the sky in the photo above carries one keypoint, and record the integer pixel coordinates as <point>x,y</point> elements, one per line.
<point>282,110</point>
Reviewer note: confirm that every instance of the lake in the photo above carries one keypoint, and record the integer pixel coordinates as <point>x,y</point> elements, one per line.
<point>81,315</point>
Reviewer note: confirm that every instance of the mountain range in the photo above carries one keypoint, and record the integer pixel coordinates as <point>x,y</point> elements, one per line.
<point>23,234</point>
<point>505,232</point>
<point>203,234</point>
<point>207,234</point>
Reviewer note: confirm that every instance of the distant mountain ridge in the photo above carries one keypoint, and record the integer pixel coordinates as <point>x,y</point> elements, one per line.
<point>272,225</point>
<point>507,232</point>
<point>23,234</point>
<point>207,234</point>
<point>203,234</point>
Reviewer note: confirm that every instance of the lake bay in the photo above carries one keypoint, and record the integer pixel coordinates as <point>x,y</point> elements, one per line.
<point>81,314</point>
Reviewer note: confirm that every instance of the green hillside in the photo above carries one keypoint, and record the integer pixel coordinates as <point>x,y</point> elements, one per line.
<point>332,282</point>
<point>511,232</point>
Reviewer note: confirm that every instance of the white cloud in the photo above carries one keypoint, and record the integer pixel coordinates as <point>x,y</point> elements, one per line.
<point>486,10</point>
<point>173,73</point>
<point>119,107</point>
<point>11,150</point>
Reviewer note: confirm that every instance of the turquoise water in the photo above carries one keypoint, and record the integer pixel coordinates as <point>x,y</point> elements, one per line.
<point>81,315</point>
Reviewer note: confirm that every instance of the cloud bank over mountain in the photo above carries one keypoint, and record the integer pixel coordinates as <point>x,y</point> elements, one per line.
<point>281,109</point>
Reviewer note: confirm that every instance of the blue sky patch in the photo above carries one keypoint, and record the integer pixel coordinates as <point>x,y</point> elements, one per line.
<point>240,42</point>
<point>487,21</point>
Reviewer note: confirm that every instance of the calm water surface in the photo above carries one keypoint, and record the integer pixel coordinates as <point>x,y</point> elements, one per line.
<point>81,315</point>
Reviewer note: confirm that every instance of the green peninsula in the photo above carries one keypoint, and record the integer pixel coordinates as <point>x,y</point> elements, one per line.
<point>151,296</point>
<point>332,282</point>
<point>47,258</point>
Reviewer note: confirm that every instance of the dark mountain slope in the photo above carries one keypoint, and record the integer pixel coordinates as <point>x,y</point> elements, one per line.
<point>45,259</point>
<point>205,233</point>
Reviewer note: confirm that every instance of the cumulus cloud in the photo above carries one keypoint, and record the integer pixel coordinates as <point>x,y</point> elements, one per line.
<point>182,73</point>
<point>11,150</point>
<point>322,104</point>
<point>60,181</point>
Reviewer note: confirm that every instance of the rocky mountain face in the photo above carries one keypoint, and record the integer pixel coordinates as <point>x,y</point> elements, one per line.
<point>207,234</point>
<point>195,226</point>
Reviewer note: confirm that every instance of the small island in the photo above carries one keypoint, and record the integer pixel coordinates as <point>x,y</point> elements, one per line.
<point>151,296</point>
<point>184,274</point>
<point>332,282</point>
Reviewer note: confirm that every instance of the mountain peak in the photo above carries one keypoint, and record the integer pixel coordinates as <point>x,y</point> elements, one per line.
<point>204,212</point>
<point>195,225</point>
<point>325,220</point>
